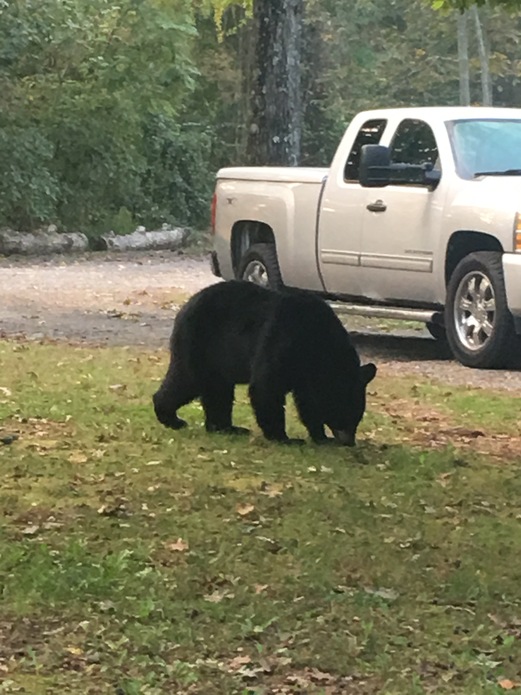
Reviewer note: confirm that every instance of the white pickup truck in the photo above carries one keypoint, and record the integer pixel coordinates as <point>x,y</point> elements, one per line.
<point>418,217</point>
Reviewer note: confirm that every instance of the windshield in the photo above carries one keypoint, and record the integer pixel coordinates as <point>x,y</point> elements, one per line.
<point>489,146</point>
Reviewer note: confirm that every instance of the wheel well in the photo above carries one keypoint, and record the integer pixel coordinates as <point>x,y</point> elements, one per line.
<point>246,233</point>
<point>462,243</point>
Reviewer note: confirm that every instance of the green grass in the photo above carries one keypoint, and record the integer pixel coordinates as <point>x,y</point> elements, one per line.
<point>138,560</point>
<point>361,323</point>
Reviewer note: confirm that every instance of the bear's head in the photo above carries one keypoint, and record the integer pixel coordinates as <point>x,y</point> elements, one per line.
<point>344,421</point>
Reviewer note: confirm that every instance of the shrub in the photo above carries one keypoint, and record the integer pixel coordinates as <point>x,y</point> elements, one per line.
<point>29,190</point>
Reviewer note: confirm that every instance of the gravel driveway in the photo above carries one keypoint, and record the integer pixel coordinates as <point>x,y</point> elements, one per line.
<point>131,299</point>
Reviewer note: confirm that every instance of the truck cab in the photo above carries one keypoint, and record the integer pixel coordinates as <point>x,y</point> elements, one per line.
<point>411,195</point>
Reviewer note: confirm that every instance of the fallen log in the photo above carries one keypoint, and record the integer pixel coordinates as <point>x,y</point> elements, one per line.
<point>41,242</point>
<point>163,239</point>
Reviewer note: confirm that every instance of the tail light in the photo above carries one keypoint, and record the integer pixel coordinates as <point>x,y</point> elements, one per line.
<point>213,212</point>
<point>517,233</point>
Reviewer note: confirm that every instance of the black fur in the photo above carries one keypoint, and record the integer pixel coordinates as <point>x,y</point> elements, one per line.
<point>277,342</point>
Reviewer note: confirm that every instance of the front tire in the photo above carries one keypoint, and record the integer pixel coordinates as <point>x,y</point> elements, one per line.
<point>480,328</point>
<point>261,266</point>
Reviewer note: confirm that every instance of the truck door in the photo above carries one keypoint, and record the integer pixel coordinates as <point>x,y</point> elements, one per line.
<point>342,213</point>
<point>402,225</point>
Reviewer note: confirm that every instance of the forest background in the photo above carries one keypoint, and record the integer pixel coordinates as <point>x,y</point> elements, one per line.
<point>115,114</point>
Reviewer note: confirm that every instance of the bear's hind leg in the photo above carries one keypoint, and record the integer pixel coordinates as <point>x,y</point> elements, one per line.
<point>176,390</point>
<point>217,402</point>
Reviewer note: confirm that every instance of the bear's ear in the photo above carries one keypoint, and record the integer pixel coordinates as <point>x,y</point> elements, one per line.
<point>367,373</point>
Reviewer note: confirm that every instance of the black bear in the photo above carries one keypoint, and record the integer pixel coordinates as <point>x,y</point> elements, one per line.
<point>277,342</point>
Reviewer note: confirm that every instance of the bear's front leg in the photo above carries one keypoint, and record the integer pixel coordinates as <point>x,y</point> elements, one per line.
<point>269,409</point>
<point>314,425</point>
<point>217,402</point>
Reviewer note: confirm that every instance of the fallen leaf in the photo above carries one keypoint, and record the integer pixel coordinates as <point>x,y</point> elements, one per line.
<point>444,479</point>
<point>244,509</point>
<point>298,680</point>
<point>259,588</point>
<point>507,684</point>
<point>77,457</point>
<point>43,445</point>
<point>271,490</point>
<point>386,594</point>
<point>271,545</point>
<point>238,662</point>
<point>217,596</point>
<point>116,509</point>
<point>320,677</point>
<point>30,530</point>
<point>179,546</point>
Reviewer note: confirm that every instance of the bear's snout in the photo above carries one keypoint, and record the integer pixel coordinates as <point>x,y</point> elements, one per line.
<point>344,437</point>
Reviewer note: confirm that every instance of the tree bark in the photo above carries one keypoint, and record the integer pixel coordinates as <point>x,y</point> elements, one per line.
<point>276,127</point>
<point>463,59</point>
<point>486,82</point>
<point>246,60</point>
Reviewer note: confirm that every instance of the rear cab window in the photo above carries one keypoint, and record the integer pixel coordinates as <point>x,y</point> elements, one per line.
<point>369,134</point>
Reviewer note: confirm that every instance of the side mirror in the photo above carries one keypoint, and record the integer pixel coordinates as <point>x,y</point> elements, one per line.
<point>377,171</point>
<point>375,166</point>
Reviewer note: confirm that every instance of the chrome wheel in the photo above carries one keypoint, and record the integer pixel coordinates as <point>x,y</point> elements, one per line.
<point>257,273</point>
<point>475,310</point>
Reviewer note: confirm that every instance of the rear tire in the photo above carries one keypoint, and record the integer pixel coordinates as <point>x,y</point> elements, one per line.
<point>261,266</point>
<point>480,328</point>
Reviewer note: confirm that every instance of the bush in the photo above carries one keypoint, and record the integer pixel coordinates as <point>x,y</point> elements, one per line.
<point>99,164</point>
<point>29,191</point>
<point>177,183</point>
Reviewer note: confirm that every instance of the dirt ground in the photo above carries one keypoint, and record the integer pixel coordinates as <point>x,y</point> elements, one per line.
<point>131,299</point>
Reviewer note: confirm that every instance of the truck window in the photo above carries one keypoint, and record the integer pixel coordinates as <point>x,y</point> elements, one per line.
<point>369,134</point>
<point>414,143</point>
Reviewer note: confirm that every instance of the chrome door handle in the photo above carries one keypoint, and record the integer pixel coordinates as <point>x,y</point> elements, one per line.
<point>377,206</point>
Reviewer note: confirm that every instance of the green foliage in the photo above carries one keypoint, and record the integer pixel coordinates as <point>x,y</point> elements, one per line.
<point>88,74</point>
<point>465,4</point>
<point>376,54</point>
<point>218,8</point>
<point>177,181</point>
<point>134,105</point>
<point>123,221</point>
<point>28,188</point>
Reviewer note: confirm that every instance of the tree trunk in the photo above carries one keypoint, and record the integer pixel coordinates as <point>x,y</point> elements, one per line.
<point>463,59</point>
<point>276,127</point>
<point>246,62</point>
<point>486,82</point>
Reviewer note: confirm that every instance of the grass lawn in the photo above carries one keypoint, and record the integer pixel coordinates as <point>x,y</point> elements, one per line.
<point>134,559</point>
